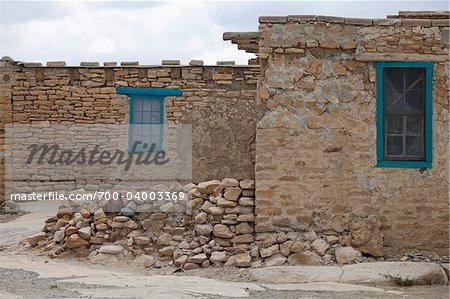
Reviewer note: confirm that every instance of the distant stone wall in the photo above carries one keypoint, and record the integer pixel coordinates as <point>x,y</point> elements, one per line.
<point>6,71</point>
<point>316,143</point>
<point>219,102</point>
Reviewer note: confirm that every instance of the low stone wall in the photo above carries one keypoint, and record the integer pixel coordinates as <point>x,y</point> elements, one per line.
<point>216,228</point>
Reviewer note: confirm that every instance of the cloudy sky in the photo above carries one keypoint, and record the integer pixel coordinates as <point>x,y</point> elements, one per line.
<point>149,31</point>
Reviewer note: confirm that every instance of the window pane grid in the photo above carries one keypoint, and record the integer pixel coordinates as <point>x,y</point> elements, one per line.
<point>403,113</point>
<point>146,122</point>
<point>146,110</point>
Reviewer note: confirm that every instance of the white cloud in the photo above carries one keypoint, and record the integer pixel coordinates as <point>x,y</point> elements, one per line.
<point>152,31</point>
<point>102,45</point>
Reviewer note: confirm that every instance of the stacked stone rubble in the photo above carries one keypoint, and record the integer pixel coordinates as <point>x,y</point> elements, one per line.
<point>215,227</point>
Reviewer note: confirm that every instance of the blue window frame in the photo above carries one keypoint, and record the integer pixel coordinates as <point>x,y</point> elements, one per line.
<point>146,121</point>
<point>404,114</point>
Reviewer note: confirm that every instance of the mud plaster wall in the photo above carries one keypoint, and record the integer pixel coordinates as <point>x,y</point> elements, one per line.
<point>316,146</point>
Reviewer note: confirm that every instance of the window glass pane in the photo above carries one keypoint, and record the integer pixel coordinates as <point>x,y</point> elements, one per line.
<point>155,117</point>
<point>394,78</point>
<point>394,124</point>
<point>395,104</point>
<point>146,130</point>
<point>146,110</point>
<point>137,105</point>
<point>147,105</point>
<point>393,98</point>
<point>394,145</point>
<point>137,108</point>
<point>134,139</point>
<point>136,130</point>
<point>146,117</point>
<point>156,140</point>
<point>137,117</point>
<point>414,101</point>
<point>155,129</point>
<point>414,146</point>
<point>146,139</point>
<point>156,106</point>
<point>414,76</point>
<point>414,125</point>
<point>393,90</point>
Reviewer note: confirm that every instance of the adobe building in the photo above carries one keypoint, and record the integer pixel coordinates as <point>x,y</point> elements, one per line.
<point>336,135</point>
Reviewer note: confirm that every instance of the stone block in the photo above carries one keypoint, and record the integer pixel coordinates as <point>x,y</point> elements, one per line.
<point>89,64</point>
<point>34,239</point>
<point>347,255</point>
<point>243,260</point>
<point>416,22</point>
<point>358,21</point>
<point>387,22</point>
<point>275,260</point>
<point>218,257</point>
<point>330,19</point>
<point>196,62</point>
<point>440,23</point>
<point>269,251</point>
<point>272,19</point>
<point>110,63</point>
<point>302,18</point>
<point>170,62</point>
<point>209,187</point>
<point>56,63</point>
<point>222,231</point>
<point>382,273</point>
<point>306,258</point>
<point>32,64</point>
<point>197,259</point>
<point>232,193</point>
<point>226,62</point>
<point>129,63</point>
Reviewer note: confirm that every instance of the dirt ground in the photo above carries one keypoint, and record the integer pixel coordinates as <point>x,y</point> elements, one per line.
<point>18,283</point>
<point>6,217</point>
<point>26,275</point>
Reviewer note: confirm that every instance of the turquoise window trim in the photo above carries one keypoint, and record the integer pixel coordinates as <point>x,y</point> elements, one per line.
<point>428,66</point>
<point>152,94</point>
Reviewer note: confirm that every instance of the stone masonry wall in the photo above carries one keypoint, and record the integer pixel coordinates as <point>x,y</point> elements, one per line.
<point>316,143</point>
<point>5,115</point>
<point>219,102</point>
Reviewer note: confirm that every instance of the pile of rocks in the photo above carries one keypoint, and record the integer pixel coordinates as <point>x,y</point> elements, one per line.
<point>218,224</point>
<point>217,228</point>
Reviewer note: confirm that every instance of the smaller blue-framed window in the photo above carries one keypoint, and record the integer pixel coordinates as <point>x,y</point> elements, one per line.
<point>404,114</point>
<point>146,117</point>
<point>146,123</point>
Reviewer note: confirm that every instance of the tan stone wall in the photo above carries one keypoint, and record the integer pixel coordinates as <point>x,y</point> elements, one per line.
<point>6,79</point>
<point>219,101</point>
<point>316,143</point>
